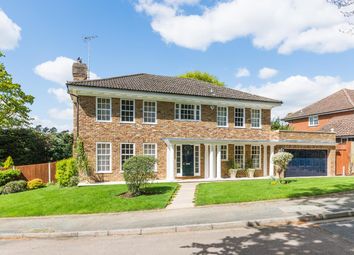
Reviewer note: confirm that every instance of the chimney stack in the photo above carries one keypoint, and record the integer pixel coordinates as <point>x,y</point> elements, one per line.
<point>79,70</point>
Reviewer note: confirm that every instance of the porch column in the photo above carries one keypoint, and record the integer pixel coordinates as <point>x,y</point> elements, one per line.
<point>212,162</point>
<point>206,161</point>
<point>271,165</point>
<point>265,160</point>
<point>170,162</point>
<point>218,162</point>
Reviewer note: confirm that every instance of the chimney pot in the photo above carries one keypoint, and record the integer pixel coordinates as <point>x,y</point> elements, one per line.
<point>79,71</point>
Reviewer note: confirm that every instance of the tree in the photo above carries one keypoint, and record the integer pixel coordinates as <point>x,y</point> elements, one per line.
<point>202,76</point>
<point>14,111</point>
<point>278,124</point>
<point>281,161</point>
<point>138,172</point>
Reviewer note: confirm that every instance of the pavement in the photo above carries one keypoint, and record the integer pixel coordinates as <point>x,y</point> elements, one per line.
<point>184,197</point>
<point>181,220</point>
<point>328,238</point>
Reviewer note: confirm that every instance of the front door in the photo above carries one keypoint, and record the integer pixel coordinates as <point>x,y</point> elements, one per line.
<point>187,160</point>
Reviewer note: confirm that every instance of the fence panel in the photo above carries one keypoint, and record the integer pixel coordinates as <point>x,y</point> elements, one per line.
<point>44,171</point>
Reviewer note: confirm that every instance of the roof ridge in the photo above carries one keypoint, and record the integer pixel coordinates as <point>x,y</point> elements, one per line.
<point>348,97</point>
<point>110,78</point>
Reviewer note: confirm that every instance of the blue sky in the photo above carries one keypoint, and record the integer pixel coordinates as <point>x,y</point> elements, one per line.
<point>303,57</point>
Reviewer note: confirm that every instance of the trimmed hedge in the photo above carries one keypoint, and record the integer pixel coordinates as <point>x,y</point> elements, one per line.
<point>35,184</point>
<point>9,175</point>
<point>66,169</point>
<point>14,187</point>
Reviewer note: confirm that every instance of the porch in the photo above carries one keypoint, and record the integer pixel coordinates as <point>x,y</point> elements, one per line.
<point>209,159</point>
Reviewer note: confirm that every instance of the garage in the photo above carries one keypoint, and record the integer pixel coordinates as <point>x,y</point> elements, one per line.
<point>307,163</point>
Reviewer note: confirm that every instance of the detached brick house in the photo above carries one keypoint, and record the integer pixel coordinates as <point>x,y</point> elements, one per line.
<point>333,113</point>
<point>192,127</point>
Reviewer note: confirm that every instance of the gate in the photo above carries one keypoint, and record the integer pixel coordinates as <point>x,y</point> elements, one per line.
<point>343,162</point>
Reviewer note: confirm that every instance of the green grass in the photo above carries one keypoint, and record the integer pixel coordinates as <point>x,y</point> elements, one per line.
<point>256,190</point>
<point>53,200</point>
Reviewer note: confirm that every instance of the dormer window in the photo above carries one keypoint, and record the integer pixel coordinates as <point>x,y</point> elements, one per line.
<point>313,121</point>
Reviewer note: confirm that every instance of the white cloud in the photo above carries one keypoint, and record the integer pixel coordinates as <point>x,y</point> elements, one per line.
<point>242,72</point>
<point>285,25</point>
<point>58,124</point>
<point>10,32</point>
<point>298,91</point>
<point>61,95</point>
<point>61,114</point>
<point>267,73</point>
<point>58,70</point>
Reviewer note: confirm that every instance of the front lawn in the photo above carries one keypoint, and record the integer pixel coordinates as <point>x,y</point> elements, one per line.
<point>53,200</point>
<point>255,190</point>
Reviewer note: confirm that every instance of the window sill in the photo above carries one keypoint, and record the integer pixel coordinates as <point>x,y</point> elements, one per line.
<point>149,123</point>
<point>103,172</point>
<point>127,122</point>
<point>240,127</point>
<point>104,121</point>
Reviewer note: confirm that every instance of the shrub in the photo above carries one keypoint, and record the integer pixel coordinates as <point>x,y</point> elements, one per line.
<point>35,184</point>
<point>138,171</point>
<point>281,160</point>
<point>65,169</point>
<point>9,175</point>
<point>8,162</point>
<point>15,186</point>
<point>74,181</point>
<point>81,158</point>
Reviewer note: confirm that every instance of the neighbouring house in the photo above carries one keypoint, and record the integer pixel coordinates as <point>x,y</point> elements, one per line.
<point>333,113</point>
<point>192,127</point>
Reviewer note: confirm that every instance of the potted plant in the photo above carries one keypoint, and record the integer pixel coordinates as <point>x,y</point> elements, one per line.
<point>234,168</point>
<point>249,168</point>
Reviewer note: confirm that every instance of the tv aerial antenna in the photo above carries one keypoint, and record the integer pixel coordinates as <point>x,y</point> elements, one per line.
<point>87,39</point>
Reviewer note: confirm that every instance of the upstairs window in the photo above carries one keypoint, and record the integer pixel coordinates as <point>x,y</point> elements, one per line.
<point>103,109</point>
<point>239,117</point>
<point>256,118</point>
<point>149,112</point>
<point>313,121</point>
<point>187,112</point>
<point>127,111</point>
<point>222,119</point>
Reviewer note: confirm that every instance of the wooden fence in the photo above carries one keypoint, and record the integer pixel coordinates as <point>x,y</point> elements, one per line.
<point>44,171</point>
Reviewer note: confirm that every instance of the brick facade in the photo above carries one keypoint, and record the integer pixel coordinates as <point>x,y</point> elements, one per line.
<point>91,132</point>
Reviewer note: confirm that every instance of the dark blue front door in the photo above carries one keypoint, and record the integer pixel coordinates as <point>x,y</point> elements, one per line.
<point>307,163</point>
<point>187,160</point>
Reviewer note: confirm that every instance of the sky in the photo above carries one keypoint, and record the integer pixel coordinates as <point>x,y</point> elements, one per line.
<point>293,50</point>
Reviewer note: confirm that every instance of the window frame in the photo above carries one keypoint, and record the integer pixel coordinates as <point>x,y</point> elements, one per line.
<point>243,154</point>
<point>110,158</point>
<point>259,156</point>
<point>195,110</point>
<point>227,152</point>
<point>146,101</point>
<point>120,155</point>
<point>243,118</point>
<point>155,144</point>
<point>196,160</point>
<point>110,109</point>
<point>311,124</point>
<point>260,118</point>
<point>120,112</point>
<point>227,116</point>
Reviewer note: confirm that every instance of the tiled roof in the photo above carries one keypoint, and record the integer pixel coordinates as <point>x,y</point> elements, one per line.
<point>342,125</point>
<point>342,100</point>
<point>170,85</point>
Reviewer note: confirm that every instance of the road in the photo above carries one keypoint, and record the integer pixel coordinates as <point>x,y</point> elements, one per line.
<point>336,237</point>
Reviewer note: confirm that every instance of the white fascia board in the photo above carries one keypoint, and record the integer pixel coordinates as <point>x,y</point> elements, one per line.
<point>164,97</point>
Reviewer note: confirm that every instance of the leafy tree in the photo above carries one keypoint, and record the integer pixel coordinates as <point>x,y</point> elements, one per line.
<point>13,101</point>
<point>281,161</point>
<point>35,145</point>
<point>203,76</point>
<point>278,124</point>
